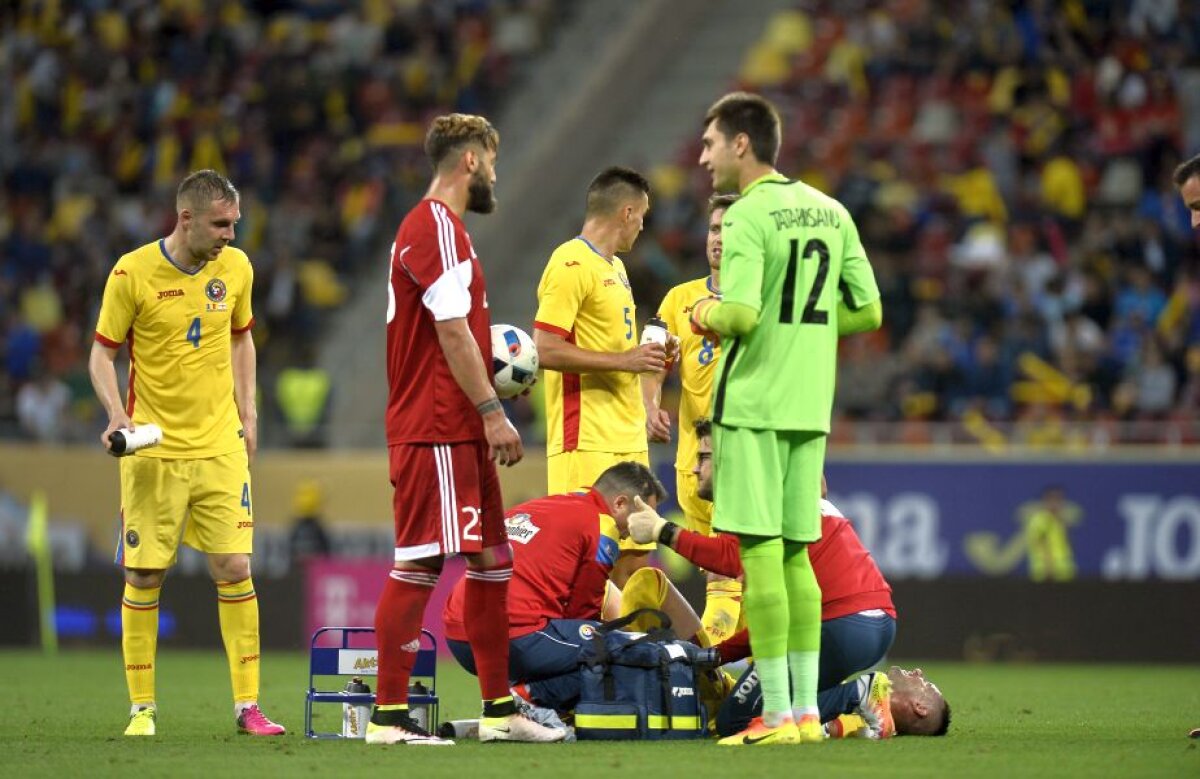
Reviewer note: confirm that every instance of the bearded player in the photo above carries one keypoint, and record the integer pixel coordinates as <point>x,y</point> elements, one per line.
<point>446,432</point>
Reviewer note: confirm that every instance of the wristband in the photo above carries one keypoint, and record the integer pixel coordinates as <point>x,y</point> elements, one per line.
<point>666,536</point>
<point>488,406</point>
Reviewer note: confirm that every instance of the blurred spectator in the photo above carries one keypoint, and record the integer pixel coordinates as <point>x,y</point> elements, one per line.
<point>302,393</point>
<point>42,407</point>
<point>308,538</point>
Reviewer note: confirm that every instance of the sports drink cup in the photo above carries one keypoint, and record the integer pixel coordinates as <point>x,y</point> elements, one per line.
<point>355,715</point>
<point>125,441</point>
<point>655,331</point>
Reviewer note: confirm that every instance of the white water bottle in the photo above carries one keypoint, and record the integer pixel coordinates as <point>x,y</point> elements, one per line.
<point>655,331</point>
<point>355,716</point>
<point>125,441</point>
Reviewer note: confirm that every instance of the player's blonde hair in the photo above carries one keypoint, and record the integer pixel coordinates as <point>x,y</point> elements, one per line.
<point>452,132</point>
<point>198,191</point>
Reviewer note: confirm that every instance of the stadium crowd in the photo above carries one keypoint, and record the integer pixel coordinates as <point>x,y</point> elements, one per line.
<point>316,110</point>
<point>1009,165</point>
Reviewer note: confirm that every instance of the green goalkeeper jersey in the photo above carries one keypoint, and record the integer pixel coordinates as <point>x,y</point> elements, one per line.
<point>789,252</point>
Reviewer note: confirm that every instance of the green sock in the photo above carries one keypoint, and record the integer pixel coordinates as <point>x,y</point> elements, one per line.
<point>804,627</point>
<point>765,602</point>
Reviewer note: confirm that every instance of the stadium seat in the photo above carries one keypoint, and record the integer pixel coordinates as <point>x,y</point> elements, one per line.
<point>348,658</point>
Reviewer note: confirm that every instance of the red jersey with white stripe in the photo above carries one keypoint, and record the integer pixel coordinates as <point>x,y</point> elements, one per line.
<point>850,580</point>
<point>433,275</point>
<point>564,547</point>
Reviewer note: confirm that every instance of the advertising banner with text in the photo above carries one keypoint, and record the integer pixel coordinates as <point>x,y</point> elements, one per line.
<point>1051,521</point>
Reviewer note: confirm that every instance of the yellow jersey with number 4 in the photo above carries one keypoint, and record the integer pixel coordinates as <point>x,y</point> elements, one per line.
<point>586,299</point>
<point>697,364</point>
<point>179,327</point>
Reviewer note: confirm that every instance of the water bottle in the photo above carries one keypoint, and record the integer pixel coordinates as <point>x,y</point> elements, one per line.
<point>655,331</point>
<point>355,715</point>
<point>419,712</point>
<point>125,441</point>
<point>459,728</point>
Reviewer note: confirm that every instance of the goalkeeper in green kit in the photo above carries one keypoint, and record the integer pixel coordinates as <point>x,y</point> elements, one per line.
<point>794,276</point>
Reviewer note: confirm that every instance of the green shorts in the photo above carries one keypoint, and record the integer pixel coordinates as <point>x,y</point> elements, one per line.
<point>768,482</point>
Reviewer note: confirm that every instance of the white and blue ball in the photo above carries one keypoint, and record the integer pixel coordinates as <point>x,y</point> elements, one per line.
<point>514,360</point>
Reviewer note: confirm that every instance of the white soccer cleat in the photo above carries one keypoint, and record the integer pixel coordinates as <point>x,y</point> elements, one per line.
<point>518,727</point>
<point>409,734</point>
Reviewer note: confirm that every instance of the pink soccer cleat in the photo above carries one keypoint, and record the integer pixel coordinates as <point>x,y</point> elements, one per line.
<point>253,722</point>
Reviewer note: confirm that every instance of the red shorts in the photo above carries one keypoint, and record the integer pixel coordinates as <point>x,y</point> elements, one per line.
<point>446,501</point>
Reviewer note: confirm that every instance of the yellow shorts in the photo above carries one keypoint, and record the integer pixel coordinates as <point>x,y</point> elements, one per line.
<point>579,469</point>
<point>205,503</point>
<point>697,511</point>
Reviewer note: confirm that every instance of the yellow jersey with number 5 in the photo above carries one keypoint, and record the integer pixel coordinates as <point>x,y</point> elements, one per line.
<point>179,327</point>
<point>586,299</point>
<point>697,363</point>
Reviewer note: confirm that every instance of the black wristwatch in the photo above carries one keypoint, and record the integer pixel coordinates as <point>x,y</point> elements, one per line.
<point>666,536</point>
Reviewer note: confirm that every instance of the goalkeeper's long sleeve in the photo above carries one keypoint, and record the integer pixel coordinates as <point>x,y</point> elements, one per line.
<point>731,319</point>
<point>850,321</point>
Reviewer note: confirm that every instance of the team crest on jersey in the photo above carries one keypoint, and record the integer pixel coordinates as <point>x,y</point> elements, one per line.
<point>131,539</point>
<point>624,280</point>
<point>520,528</point>
<point>587,631</point>
<point>215,290</point>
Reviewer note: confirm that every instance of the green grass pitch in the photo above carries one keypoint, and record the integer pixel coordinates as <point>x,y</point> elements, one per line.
<point>63,716</point>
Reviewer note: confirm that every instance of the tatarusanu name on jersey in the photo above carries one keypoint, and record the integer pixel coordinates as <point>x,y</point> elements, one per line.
<point>806,217</point>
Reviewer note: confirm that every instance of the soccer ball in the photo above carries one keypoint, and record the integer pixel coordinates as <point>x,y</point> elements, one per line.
<point>514,361</point>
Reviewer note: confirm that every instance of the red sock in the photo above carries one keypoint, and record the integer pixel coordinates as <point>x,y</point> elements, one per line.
<point>398,620</point>
<point>486,608</point>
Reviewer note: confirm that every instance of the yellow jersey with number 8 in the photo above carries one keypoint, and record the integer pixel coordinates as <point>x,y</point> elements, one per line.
<point>179,327</point>
<point>697,364</point>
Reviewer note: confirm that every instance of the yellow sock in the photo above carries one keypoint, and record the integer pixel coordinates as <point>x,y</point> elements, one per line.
<point>845,726</point>
<point>722,610</point>
<point>646,589</point>
<point>238,607</point>
<point>139,640</point>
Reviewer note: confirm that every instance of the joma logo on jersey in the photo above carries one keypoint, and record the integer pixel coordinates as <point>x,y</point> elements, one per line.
<point>366,663</point>
<point>169,293</point>
<point>520,528</point>
<point>571,264</point>
<point>683,692</point>
<point>139,666</point>
<point>245,523</point>
<point>249,659</point>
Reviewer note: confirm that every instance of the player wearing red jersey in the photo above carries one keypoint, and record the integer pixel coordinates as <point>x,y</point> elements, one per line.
<point>564,547</point>
<point>446,431</point>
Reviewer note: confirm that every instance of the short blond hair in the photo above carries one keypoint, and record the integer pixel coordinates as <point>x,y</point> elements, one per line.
<point>198,191</point>
<point>452,132</point>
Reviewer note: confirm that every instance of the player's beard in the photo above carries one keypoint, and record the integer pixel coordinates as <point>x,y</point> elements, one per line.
<point>705,491</point>
<point>481,198</point>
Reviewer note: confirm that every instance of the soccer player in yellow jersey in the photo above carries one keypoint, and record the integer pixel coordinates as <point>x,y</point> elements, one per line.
<point>182,303</point>
<point>586,335</point>
<point>697,366</point>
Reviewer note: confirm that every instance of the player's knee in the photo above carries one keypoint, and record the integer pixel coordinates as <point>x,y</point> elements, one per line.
<point>491,557</point>
<point>229,567</point>
<point>145,578</point>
